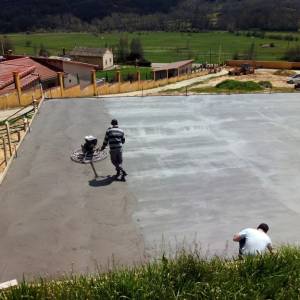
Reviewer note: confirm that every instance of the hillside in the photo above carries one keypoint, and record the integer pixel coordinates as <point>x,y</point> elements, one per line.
<point>167,15</point>
<point>17,15</point>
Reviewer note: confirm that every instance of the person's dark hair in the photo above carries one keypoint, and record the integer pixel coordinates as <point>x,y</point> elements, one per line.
<point>114,122</point>
<point>264,227</point>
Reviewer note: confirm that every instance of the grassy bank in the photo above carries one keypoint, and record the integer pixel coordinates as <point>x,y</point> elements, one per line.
<point>240,87</point>
<point>226,86</point>
<point>159,46</point>
<point>187,276</point>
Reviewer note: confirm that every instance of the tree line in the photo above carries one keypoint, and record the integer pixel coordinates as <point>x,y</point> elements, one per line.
<point>134,15</point>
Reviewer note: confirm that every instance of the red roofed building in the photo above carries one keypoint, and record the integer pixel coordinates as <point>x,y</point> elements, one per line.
<point>30,71</point>
<point>75,72</point>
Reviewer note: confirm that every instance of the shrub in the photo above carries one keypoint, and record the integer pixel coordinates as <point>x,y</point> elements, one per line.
<point>144,63</point>
<point>239,85</point>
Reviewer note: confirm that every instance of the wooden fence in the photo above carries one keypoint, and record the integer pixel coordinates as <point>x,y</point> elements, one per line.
<point>285,65</point>
<point>12,100</point>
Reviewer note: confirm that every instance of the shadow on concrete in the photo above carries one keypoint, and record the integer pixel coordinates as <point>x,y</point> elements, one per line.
<point>105,180</point>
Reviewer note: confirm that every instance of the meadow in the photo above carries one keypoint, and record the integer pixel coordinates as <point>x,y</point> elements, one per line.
<point>210,47</point>
<point>186,276</point>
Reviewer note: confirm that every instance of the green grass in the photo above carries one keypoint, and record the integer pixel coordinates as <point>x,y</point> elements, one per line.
<point>126,72</point>
<point>159,46</point>
<point>232,85</point>
<point>187,276</point>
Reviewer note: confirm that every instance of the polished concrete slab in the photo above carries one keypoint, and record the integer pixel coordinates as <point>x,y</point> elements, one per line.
<point>204,167</point>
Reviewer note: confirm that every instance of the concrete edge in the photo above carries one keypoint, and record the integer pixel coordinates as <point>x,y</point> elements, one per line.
<point>11,159</point>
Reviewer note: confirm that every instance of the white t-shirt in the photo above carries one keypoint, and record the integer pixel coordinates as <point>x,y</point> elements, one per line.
<point>256,241</point>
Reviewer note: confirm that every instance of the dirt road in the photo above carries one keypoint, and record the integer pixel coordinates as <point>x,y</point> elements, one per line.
<point>173,86</point>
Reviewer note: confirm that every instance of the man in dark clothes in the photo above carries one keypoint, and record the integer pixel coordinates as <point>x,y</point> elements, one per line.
<point>115,138</point>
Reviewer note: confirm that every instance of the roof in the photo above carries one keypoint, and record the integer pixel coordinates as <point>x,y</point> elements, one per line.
<point>27,77</point>
<point>25,81</point>
<point>26,73</point>
<point>43,72</point>
<point>58,63</point>
<point>84,51</point>
<point>174,65</point>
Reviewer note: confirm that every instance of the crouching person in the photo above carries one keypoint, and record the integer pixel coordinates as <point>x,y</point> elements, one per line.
<point>253,241</point>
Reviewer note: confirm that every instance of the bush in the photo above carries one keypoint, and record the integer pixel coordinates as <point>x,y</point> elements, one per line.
<point>238,85</point>
<point>144,63</point>
<point>265,84</point>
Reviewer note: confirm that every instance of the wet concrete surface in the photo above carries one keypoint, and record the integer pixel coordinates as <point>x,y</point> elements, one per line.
<point>54,216</point>
<point>200,169</point>
<point>204,167</point>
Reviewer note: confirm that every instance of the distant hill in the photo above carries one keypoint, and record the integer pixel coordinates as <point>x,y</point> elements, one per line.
<point>178,15</point>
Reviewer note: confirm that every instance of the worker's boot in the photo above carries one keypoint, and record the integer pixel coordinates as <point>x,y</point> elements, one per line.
<point>123,175</point>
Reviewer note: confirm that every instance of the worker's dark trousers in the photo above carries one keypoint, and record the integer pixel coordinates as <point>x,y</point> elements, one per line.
<point>242,243</point>
<point>117,158</point>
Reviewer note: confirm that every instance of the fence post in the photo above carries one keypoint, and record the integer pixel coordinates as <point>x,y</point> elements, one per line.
<point>42,91</point>
<point>138,75</point>
<point>4,150</point>
<point>25,123</point>
<point>16,76</point>
<point>34,104</point>
<point>94,83</point>
<point>61,83</point>
<point>8,137</point>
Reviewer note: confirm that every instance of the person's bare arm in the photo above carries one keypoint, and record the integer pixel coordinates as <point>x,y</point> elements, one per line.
<point>237,238</point>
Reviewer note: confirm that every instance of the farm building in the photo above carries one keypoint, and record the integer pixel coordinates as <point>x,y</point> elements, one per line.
<point>102,57</point>
<point>74,72</point>
<point>173,69</point>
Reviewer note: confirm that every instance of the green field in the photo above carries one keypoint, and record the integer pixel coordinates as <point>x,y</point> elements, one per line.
<point>211,47</point>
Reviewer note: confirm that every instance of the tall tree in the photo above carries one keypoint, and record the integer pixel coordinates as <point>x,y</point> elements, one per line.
<point>123,49</point>
<point>136,49</point>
